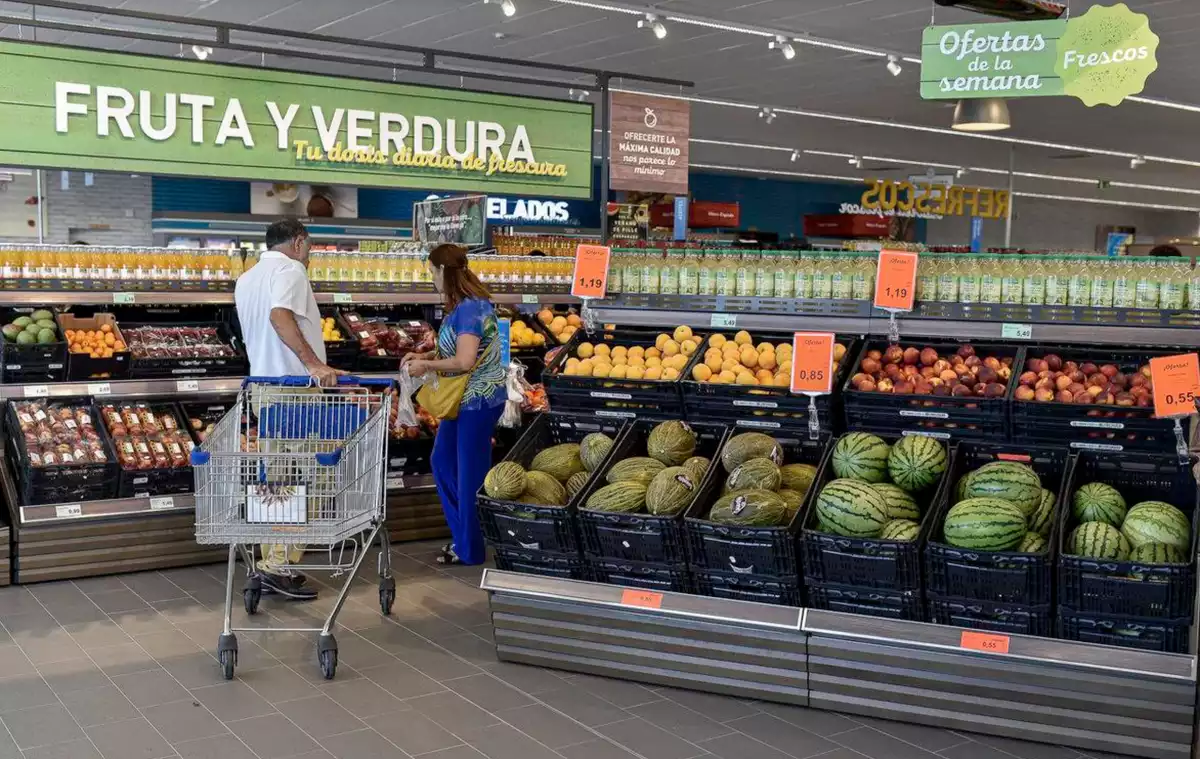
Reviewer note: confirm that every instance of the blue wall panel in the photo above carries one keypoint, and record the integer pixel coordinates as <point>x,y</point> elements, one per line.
<point>200,195</point>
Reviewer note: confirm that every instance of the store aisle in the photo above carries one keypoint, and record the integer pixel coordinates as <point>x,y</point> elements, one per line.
<point>122,668</point>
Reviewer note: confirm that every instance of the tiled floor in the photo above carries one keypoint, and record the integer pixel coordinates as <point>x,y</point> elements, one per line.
<point>123,668</point>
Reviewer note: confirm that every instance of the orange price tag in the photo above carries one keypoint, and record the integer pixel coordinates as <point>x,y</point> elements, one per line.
<point>812,362</point>
<point>988,643</point>
<point>1176,384</point>
<point>643,598</point>
<point>591,271</point>
<point>896,280</point>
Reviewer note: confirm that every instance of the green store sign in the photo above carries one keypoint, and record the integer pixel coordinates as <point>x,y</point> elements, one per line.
<point>84,109</point>
<point>1103,56</point>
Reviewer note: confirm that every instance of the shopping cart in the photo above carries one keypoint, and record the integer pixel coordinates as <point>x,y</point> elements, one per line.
<point>294,464</point>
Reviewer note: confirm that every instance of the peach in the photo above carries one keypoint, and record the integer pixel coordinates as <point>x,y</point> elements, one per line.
<point>1077,376</point>
<point>1076,388</point>
<point>1144,401</point>
<point>1007,361</point>
<point>960,391</point>
<point>949,375</point>
<point>1045,383</point>
<point>1062,382</point>
<point>987,374</point>
<point>1088,368</point>
<point>927,372</point>
<point>966,350</point>
<point>874,355</point>
<point>1043,395</point>
<point>1005,371</point>
<point>1097,379</point>
<point>1104,398</point>
<point>1064,396</point>
<point>1145,372</point>
<point>866,385</point>
<point>979,388</point>
<point>1054,362</point>
<point>1083,397</point>
<point>995,390</point>
<point>1109,370</point>
<point>1125,399</point>
<point>911,355</point>
<point>891,370</point>
<point>860,377</point>
<point>1024,393</point>
<point>923,388</point>
<point>1028,378</point>
<point>936,381</point>
<point>1120,380</point>
<point>1094,390</point>
<point>903,388</point>
<point>941,390</point>
<point>893,355</point>
<point>1036,365</point>
<point>1137,380</point>
<point>992,362</point>
<point>1070,366</point>
<point>973,361</point>
<point>884,385</point>
<point>929,357</point>
<point>870,365</point>
<point>941,365</point>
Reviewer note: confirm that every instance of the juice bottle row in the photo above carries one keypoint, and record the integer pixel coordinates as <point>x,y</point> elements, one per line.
<point>90,262</point>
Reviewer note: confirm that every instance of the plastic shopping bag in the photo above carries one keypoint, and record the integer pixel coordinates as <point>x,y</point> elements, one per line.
<point>515,386</point>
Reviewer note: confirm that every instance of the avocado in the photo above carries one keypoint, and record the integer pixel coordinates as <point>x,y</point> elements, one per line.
<point>46,323</point>
<point>42,315</point>
<point>46,336</point>
<point>22,321</point>
<point>26,338</point>
<point>10,331</point>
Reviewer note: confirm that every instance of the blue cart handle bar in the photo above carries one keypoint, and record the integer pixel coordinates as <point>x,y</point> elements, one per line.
<point>344,380</point>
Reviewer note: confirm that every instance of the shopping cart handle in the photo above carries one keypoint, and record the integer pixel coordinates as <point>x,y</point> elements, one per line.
<point>351,379</point>
<point>290,381</point>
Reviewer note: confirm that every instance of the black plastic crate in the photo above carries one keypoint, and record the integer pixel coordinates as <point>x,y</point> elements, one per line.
<point>1106,427</point>
<point>1000,576</point>
<point>779,591</point>
<point>865,562</point>
<point>33,363</point>
<point>81,366</point>
<point>640,537</point>
<point>410,456</point>
<point>875,602</point>
<point>176,360</point>
<point>1170,636</point>
<point>1016,619</point>
<point>944,416</point>
<point>533,527</point>
<point>1094,586</point>
<point>340,354</point>
<point>545,563</point>
<point>766,551</point>
<point>201,417</point>
<point>673,578</point>
<point>59,483</point>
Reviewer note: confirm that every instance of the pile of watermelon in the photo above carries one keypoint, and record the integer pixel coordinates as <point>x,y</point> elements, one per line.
<point>662,483</point>
<point>554,476</point>
<point>760,489</point>
<point>1001,506</point>
<point>877,486</point>
<point>1152,532</point>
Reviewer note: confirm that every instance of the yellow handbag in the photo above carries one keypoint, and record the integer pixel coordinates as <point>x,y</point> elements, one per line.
<point>443,397</point>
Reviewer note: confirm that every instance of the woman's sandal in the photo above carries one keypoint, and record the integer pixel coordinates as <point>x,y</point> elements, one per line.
<point>448,557</point>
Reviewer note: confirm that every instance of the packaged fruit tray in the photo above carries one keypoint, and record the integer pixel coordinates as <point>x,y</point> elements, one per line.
<point>890,560</point>
<point>32,348</point>
<point>1171,636</point>
<point>153,447</point>
<point>642,536</point>
<point>59,451</point>
<point>959,565</point>
<point>202,417</point>
<point>875,602</point>
<point>780,591</point>
<point>525,524</point>
<point>96,348</point>
<point>765,550</point>
<point>634,574</point>
<point>717,384</point>
<point>1088,398</point>
<point>949,390</point>
<point>383,342</point>
<point>1120,581</point>
<point>656,361</point>
<point>173,350</point>
<point>1012,618</point>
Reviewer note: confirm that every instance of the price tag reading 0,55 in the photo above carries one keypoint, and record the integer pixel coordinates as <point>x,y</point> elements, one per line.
<point>896,280</point>
<point>1176,384</point>
<point>591,271</point>
<point>812,362</point>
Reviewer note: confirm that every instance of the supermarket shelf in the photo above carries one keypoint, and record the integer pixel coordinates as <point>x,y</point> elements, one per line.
<point>187,298</point>
<point>664,319</point>
<point>124,388</point>
<point>1065,333</point>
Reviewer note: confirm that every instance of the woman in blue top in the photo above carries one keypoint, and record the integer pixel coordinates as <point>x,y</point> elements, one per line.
<point>462,452</point>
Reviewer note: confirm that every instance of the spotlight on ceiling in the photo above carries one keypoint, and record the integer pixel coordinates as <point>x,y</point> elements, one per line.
<point>893,66</point>
<point>855,161</point>
<point>652,23</point>
<point>960,172</point>
<point>795,156</point>
<point>201,51</point>
<point>781,44</point>
<point>1136,161</point>
<point>982,115</point>
<point>767,113</point>
<point>507,7</point>
<point>580,95</point>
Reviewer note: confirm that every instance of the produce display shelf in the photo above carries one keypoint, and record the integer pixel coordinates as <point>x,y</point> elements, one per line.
<point>192,298</point>
<point>1098,698</point>
<point>124,389</point>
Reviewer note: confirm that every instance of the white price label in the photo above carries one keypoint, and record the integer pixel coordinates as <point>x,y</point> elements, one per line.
<point>395,482</point>
<point>187,386</point>
<point>37,391</point>
<point>124,299</point>
<point>343,298</point>
<point>527,298</point>
<point>162,502</point>
<point>1016,331</point>
<point>723,320</point>
<point>68,510</point>
<point>99,388</point>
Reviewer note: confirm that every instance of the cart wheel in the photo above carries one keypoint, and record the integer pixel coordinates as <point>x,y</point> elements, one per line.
<point>251,597</point>
<point>227,654</point>
<point>387,595</point>
<point>327,656</point>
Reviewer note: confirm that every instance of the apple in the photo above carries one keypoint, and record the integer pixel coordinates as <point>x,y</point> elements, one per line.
<point>1043,395</point>
<point>1028,378</point>
<point>1137,379</point>
<point>1024,393</point>
<point>1054,362</point>
<point>911,355</point>
<point>1144,401</point>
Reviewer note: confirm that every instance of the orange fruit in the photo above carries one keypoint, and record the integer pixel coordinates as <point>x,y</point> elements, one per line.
<point>106,328</point>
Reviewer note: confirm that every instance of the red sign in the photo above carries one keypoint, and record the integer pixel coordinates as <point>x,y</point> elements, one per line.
<point>591,271</point>
<point>644,598</point>
<point>846,225</point>
<point>896,280</point>
<point>812,362</point>
<point>702,214</point>
<point>1176,384</point>
<point>989,643</point>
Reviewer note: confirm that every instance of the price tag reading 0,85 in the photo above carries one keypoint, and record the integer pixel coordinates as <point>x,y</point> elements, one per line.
<point>1176,384</point>
<point>812,362</point>
<point>896,280</point>
<point>591,271</point>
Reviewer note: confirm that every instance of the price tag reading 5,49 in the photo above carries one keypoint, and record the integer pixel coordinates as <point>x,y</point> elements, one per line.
<point>591,271</point>
<point>812,362</point>
<point>896,280</point>
<point>1176,384</point>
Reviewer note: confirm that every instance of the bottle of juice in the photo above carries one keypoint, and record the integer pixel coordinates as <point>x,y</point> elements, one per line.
<point>1102,284</point>
<point>802,276</point>
<point>62,263</point>
<point>1171,290</point>
<point>969,279</point>
<point>822,276</point>
<point>783,280</point>
<point>1011,285</point>
<point>1193,287</point>
<point>689,272</point>
<point>706,276</point>
<point>1124,286</point>
<point>1056,281</point>
<point>1033,281</point>
<point>1147,284</point>
<point>650,266</point>
<point>764,276</point>
<point>668,274</point>
<point>990,286</point>
<point>10,263</point>
<point>616,271</point>
<point>744,274</point>
<point>864,278</point>
<point>928,267</point>
<point>947,280</point>
<point>237,266</point>
<point>1079,283</point>
<point>631,275</point>
<point>724,273</point>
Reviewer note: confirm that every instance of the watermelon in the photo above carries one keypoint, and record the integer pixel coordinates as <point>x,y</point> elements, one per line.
<point>1098,540</point>
<point>903,530</point>
<point>899,504</point>
<point>755,474</point>
<point>793,500</point>
<point>1157,522</point>
<point>960,490</point>
<point>861,456</point>
<point>798,477</point>
<point>559,461</point>
<point>1097,502</point>
<point>543,489</point>
<point>618,498</point>
<point>577,483</point>
<point>984,524</point>
<point>592,450</point>
<point>698,466</point>
<point>637,469</point>
<point>750,445</point>
<point>672,443</point>
<point>750,508</point>
<point>505,481</point>
<point>1041,519</point>
<point>670,492</point>
<point>917,462</point>
<point>1032,543</point>
<point>851,508</point>
<point>1157,553</point>
<point>1008,480</point>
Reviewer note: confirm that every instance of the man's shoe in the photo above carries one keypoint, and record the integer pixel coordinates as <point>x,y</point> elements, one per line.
<point>288,586</point>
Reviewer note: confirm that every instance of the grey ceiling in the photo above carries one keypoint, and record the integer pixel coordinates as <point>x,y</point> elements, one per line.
<point>736,67</point>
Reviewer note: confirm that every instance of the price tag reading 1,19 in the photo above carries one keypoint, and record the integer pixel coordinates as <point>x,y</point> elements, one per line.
<point>812,362</point>
<point>591,271</point>
<point>896,280</point>
<point>646,599</point>
<point>988,643</point>
<point>1176,384</point>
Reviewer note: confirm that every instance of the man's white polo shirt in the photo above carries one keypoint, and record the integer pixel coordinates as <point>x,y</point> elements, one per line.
<point>276,281</point>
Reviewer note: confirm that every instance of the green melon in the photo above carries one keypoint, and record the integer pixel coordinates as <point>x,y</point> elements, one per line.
<point>1009,480</point>
<point>755,474</point>
<point>637,469</point>
<point>672,443</point>
<point>984,524</point>
<point>1042,518</point>
<point>794,501</point>
<point>798,477</point>
<point>899,504</point>
<point>671,491</point>
<point>851,508</point>
<point>1098,540</point>
<point>1032,543</point>
<point>618,498</point>
<point>592,450</point>
<point>698,466</point>
<point>1157,522</point>
<point>917,462</point>
<point>1098,502</point>
<point>960,490</point>
<point>560,461</point>
<point>1157,553</point>
<point>861,456</point>
<point>750,508</point>
<point>750,445</point>
<point>505,481</point>
<point>577,482</point>
<point>903,530</point>
<point>543,489</point>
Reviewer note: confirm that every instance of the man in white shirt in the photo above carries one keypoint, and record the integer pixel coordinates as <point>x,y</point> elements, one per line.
<point>281,326</point>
